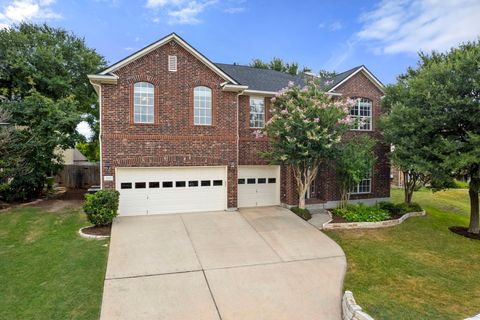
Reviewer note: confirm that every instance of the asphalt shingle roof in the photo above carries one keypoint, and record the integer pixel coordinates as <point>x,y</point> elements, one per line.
<point>271,80</point>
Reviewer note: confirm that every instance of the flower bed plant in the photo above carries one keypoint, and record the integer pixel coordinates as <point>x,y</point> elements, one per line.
<point>302,213</point>
<point>380,212</point>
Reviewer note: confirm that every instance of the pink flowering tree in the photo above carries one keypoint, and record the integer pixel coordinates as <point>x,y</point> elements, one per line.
<point>304,131</point>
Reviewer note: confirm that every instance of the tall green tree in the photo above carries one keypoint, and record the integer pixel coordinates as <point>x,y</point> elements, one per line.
<point>43,79</point>
<point>304,130</point>
<point>406,127</point>
<point>354,161</point>
<point>277,64</point>
<point>446,93</point>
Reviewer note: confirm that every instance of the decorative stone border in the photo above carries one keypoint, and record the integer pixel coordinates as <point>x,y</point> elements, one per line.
<point>477,317</point>
<point>372,225</point>
<point>91,236</point>
<point>351,310</point>
<point>23,204</point>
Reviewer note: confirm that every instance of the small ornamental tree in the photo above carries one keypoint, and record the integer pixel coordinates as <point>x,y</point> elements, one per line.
<point>353,163</point>
<point>304,130</point>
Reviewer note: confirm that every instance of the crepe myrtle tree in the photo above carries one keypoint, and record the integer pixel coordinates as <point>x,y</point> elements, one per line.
<point>305,127</point>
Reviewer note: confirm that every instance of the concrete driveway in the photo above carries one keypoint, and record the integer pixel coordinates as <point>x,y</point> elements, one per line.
<point>259,263</point>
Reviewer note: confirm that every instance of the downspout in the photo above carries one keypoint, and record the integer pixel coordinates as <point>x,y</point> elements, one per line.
<point>98,89</point>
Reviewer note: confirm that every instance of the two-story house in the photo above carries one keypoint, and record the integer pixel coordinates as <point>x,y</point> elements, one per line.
<point>176,133</point>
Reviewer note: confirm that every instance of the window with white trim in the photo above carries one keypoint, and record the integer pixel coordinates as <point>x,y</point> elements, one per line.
<point>257,112</point>
<point>143,102</point>
<point>202,105</point>
<point>364,186</point>
<point>361,113</point>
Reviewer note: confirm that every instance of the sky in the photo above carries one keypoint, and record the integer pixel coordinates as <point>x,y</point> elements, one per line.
<point>385,35</point>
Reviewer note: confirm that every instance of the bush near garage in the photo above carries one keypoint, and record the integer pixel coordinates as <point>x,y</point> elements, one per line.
<point>302,213</point>
<point>101,207</point>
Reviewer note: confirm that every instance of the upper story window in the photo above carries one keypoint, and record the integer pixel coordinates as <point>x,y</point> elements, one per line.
<point>143,102</point>
<point>202,106</point>
<point>257,112</point>
<point>362,113</point>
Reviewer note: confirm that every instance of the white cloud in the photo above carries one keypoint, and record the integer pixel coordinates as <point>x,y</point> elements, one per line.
<point>178,11</point>
<point>84,129</point>
<point>334,26</point>
<point>26,10</point>
<point>413,25</point>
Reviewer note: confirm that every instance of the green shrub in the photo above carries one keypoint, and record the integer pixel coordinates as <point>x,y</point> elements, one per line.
<point>362,213</point>
<point>302,213</point>
<point>460,184</point>
<point>412,207</point>
<point>101,207</point>
<point>390,207</point>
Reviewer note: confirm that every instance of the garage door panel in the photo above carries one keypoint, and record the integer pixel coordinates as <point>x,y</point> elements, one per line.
<point>258,186</point>
<point>172,190</point>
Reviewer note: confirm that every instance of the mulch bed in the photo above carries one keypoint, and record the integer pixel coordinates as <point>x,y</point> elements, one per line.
<point>98,231</point>
<point>338,219</point>
<point>463,231</point>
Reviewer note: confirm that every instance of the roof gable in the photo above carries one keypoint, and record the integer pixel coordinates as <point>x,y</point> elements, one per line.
<point>343,77</point>
<point>161,42</point>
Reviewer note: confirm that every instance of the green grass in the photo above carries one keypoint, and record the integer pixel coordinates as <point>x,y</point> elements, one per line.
<point>46,270</point>
<point>417,270</point>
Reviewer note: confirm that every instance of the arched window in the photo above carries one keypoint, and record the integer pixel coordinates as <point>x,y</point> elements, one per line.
<point>143,102</point>
<point>362,113</point>
<point>202,106</point>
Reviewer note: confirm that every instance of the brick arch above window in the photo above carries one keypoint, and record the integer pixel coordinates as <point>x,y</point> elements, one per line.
<point>142,78</point>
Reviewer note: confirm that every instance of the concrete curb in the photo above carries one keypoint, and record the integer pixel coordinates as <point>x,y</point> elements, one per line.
<point>372,225</point>
<point>91,236</point>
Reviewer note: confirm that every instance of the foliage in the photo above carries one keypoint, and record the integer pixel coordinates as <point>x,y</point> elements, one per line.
<point>43,75</point>
<point>101,207</point>
<point>304,130</point>
<point>362,213</point>
<point>354,162</point>
<point>460,184</point>
<point>302,213</point>
<point>415,263</point>
<point>325,74</point>
<point>277,64</point>
<point>91,150</point>
<point>43,126</point>
<point>442,110</point>
<point>400,208</point>
<point>47,272</point>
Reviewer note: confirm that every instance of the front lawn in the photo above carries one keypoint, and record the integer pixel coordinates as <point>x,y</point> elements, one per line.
<point>46,270</point>
<point>419,269</point>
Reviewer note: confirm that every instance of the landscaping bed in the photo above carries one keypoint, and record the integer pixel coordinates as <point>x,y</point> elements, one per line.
<point>102,231</point>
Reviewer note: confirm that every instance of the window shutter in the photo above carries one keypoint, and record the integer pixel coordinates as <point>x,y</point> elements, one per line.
<point>172,63</point>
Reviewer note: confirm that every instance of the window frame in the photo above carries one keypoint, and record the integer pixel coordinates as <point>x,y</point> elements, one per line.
<point>250,113</point>
<point>134,105</point>
<point>198,117</point>
<point>358,117</point>
<point>356,189</point>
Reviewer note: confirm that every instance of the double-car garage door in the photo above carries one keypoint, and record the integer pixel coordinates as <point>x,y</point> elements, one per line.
<point>193,189</point>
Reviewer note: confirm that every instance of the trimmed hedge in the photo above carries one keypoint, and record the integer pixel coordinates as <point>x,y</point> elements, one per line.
<point>302,213</point>
<point>101,207</point>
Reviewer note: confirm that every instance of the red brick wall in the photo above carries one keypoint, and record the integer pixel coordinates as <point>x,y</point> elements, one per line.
<point>172,140</point>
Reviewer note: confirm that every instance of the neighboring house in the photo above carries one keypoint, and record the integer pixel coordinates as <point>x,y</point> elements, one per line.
<point>177,133</point>
<point>73,156</point>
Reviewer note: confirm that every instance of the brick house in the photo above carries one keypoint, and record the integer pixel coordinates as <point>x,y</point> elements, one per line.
<point>177,133</point>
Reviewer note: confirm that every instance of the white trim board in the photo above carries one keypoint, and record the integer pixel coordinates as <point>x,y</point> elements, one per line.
<point>367,73</point>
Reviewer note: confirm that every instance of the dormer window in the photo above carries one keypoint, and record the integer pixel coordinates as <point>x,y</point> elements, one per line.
<point>143,102</point>
<point>172,63</point>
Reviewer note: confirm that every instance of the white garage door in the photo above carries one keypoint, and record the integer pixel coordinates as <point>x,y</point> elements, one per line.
<point>171,190</point>
<point>258,186</point>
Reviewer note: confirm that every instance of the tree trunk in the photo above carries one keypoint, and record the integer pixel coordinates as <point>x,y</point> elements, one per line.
<point>474,214</point>
<point>301,201</point>
<point>405,187</point>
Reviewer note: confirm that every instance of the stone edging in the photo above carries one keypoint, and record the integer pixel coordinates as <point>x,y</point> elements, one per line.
<point>91,236</point>
<point>23,204</point>
<point>371,225</point>
<point>351,310</point>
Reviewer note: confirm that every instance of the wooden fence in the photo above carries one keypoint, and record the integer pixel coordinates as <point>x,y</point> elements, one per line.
<point>79,176</point>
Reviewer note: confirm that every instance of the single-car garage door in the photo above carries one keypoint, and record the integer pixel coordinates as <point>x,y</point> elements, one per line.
<point>171,190</point>
<point>258,186</point>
